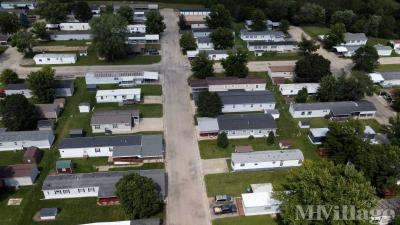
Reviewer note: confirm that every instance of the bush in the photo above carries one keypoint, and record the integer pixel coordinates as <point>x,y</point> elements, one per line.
<point>222,140</point>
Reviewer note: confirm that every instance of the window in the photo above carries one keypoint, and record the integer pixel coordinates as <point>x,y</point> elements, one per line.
<point>123,96</point>
<point>101,97</point>
<point>255,164</point>
<point>273,162</point>
<point>40,60</point>
<point>81,190</point>
<point>57,192</point>
<point>115,125</point>
<point>48,59</point>
<point>242,164</point>
<point>115,97</point>
<point>66,191</point>
<point>303,113</point>
<point>96,126</point>
<point>97,150</point>
<point>1,144</point>
<point>251,105</point>
<point>15,143</point>
<point>91,189</point>
<point>309,113</point>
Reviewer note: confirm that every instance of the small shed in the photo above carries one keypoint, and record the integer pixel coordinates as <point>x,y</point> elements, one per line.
<point>78,132</point>
<point>91,87</point>
<point>64,166</point>
<point>274,113</point>
<point>32,155</point>
<point>60,102</point>
<point>84,107</point>
<point>48,213</point>
<point>45,125</point>
<point>243,149</point>
<point>304,124</point>
<point>285,144</point>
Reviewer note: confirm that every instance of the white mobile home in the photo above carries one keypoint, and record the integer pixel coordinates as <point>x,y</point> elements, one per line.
<point>124,78</point>
<point>281,71</point>
<point>136,28</point>
<point>270,36</point>
<point>201,32</point>
<point>70,35</point>
<point>74,26</point>
<point>194,11</point>
<point>18,140</point>
<point>214,84</point>
<point>293,89</point>
<point>264,160</point>
<point>118,95</point>
<point>137,38</point>
<point>115,121</point>
<point>48,59</point>
<point>260,47</point>
<point>23,89</point>
<point>260,201</point>
<point>246,101</point>
<point>354,39</point>
<point>18,175</point>
<point>383,50</point>
<point>317,135</point>
<point>18,4</point>
<point>204,43</point>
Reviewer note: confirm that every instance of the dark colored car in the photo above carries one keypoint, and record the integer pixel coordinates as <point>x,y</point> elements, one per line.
<point>223,199</point>
<point>224,209</point>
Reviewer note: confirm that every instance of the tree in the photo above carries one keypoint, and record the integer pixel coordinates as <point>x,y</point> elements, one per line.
<point>154,23</point>
<point>271,138</point>
<point>18,113</point>
<point>138,196</point>
<point>219,17</point>
<point>208,104</point>
<point>222,38</point>
<point>187,41</point>
<point>126,12</point>
<point>41,83</point>
<point>9,22</point>
<point>236,63</point>
<point>23,20</point>
<point>222,140</point>
<point>109,36</point>
<point>346,17</point>
<point>82,11</point>
<point>328,89</point>
<point>24,41</point>
<point>8,76</point>
<point>53,11</point>
<point>310,13</point>
<point>388,27</point>
<point>202,67</point>
<point>40,31</point>
<point>312,68</point>
<point>284,26</point>
<point>326,184</point>
<point>365,58</point>
<point>182,23</point>
<point>335,36</point>
<point>393,129</point>
<point>258,18</point>
<point>343,139</point>
<point>302,96</point>
<point>307,46</point>
<point>109,9</point>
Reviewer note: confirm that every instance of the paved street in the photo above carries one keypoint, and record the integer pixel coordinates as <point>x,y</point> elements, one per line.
<point>384,111</point>
<point>187,200</point>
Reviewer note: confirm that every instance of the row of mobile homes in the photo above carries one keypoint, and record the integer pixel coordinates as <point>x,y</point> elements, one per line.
<point>118,95</point>
<point>54,58</point>
<point>269,25</point>
<point>293,89</point>
<point>194,11</point>
<point>237,125</point>
<point>352,42</point>
<point>214,84</point>
<point>124,78</point>
<point>56,35</point>
<point>259,47</point>
<point>114,121</point>
<point>386,78</point>
<point>18,140</point>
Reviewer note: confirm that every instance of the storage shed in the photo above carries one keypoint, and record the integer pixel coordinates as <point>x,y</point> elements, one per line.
<point>64,166</point>
<point>45,125</point>
<point>32,155</point>
<point>84,107</point>
<point>48,213</point>
<point>78,132</point>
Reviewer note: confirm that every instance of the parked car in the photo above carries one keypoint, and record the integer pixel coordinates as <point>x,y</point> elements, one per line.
<point>152,51</point>
<point>223,199</point>
<point>224,209</point>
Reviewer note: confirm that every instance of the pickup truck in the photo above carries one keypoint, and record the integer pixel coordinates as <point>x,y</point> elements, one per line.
<point>224,209</point>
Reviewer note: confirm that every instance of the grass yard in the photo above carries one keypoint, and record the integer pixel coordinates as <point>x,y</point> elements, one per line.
<point>373,41</point>
<point>146,110</point>
<point>10,157</point>
<point>388,67</point>
<point>246,220</point>
<point>236,183</point>
<point>88,165</point>
<point>314,31</point>
<point>146,89</point>
<point>146,166</point>
<point>92,60</point>
<point>274,56</point>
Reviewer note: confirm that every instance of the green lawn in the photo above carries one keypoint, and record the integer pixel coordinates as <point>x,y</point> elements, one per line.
<point>10,157</point>
<point>373,41</point>
<point>388,67</point>
<point>88,165</point>
<point>246,220</point>
<point>146,110</point>
<point>314,31</point>
<point>146,166</point>
<point>274,56</point>
<point>92,60</point>
<point>235,183</point>
<point>146,89</point>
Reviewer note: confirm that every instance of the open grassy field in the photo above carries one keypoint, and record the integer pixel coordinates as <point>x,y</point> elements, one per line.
<point>146,110</point>
<point>388,67</point>
<point>236,183</point>
<point>314,31</point>
<point>246,220</point>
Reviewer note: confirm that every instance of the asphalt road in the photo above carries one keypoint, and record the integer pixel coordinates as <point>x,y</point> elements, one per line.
<point>187,200</point>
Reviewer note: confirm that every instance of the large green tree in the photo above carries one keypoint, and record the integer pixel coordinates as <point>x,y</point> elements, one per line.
<point>82,11</point>
<point>41,83</point>
<point>346,17</point>
<point>54,11</point>
<point>310,13</point>
<point>126,12</point>
<point>258,18</point>
<point>326,184</point>
<point>24,41</point>
<point>302,96</point>
<point>328,89</point>
<point>219,17</point>
<point>393,129</point>
<point>355,87</point>
<point>307,46</point>
<point>236,63</point>
<point>208,104</point>
<point>40,31</point>
<point>9,22</point>
<point>109,36</point>
<point>154,23</point>
<point>222,140</point>
<point>222,38</point>
<point>138,196</point>
<point>335,36</point>
<point>18,113</point>
<point>8,76</point>
<point>202,66</point>
<point>311,68</point>
<point>365,58</point>
<point>187,41</point>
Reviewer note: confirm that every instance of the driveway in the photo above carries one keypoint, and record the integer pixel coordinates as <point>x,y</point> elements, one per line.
<point>383,110</point>
<point>211,166</point>
<point>152,99</point>
<point>187,200</point>
<point>149,124</point>
<point>338,65</point>
<point>389,60</point>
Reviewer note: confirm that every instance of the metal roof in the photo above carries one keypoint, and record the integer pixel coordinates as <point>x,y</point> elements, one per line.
<point>62,164</point>
<point>63,83</point>
<point>204,40</point>
<point>16,87</point>
<point>354,36</point>
<point>344,107</point>
<point>194,10</point>
<point>390,75</point>
<point>207,124</point>
<point>152,145</point>
<point>113,116</point>
<point>100,141</point>
<point>201,30</point>
<point>264,32</point>
<point>269,43</point>
<point>246,121</point>
<point>45,212</point>
<point>246,97</point>
<point>267,156</point>
<point>104,180</point>
<point>45,123</point>
<point>35,135</point>
<point>135,91</point>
